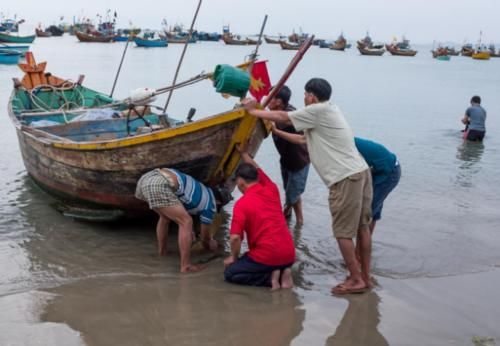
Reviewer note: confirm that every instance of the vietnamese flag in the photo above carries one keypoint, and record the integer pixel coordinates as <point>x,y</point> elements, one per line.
<point>260,84</point>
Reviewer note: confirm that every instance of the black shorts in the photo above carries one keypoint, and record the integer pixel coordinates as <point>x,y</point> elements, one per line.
<point>475,135</point>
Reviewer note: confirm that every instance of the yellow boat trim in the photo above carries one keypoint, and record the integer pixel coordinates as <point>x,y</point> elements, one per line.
<point>155,136</point>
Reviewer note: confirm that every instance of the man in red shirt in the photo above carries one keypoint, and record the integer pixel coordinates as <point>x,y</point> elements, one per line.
<point>258,214</point>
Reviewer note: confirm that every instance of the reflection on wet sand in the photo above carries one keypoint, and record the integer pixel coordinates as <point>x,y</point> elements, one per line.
<point>469,155</point>
<point>359,324</point>
<point>181,310</point>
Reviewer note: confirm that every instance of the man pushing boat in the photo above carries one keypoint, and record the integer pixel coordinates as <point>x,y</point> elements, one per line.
<point>176,197</point>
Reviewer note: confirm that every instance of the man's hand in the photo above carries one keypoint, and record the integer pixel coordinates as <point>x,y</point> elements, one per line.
<point>228,261</point>
<point>249,104</point>
<point>242,147</point>
<point>210,244</point>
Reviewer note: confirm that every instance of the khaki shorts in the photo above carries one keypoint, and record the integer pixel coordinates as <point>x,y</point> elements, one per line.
<point>157,189</point>
<point>350,204</point>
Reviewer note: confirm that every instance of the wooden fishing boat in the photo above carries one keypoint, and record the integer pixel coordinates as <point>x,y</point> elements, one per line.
<point>339,44</point>
<point>394,50</point>
<point>97,163</point>
<point>252,42</point>
<point>149,43</point>
<point>10,57</point>
<point>41,33</point>
<point>230,40</point>
<point>270,40</point>
<point>370,51</point>
<point>289,46</point>
<point>83,37</point>
<point>481,55</point>
<point>23,49</point>
<point>56,31</point>
<point>6,38</point>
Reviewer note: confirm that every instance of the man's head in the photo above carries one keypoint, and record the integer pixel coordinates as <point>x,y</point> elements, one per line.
<point>246,175</point>
<point>475,99</point>
<point>222,196</point>
<point>317,90</point>
<point>281,100</point>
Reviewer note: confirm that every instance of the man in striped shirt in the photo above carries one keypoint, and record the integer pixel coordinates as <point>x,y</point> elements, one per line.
<point>176,196</point>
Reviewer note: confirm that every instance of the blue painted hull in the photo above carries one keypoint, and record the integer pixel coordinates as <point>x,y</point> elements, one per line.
<point>9,48</point>
<point>16,39</point>
<point>150,43</point>
<point>120,39</point>
<point>10,58</point>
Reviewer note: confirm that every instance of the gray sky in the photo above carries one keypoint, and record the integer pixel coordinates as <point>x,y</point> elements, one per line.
<point>422,21</point>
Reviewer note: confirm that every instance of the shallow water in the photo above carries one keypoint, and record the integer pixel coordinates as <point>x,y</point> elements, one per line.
<point>68,282</point>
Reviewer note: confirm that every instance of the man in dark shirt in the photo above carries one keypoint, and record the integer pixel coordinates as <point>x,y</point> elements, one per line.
<point>294,159</point>
<point>474,119</point>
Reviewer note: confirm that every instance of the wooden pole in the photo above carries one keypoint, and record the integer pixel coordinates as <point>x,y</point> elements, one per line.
<point>119,67</point>
<point>254,54</point>
<point>182,55</point>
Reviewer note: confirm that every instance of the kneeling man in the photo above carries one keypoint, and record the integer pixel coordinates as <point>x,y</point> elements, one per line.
<point>258,214</point>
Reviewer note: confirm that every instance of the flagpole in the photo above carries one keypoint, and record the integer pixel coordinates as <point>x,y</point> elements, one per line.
<point>182,55</point>
<point>120,66</point>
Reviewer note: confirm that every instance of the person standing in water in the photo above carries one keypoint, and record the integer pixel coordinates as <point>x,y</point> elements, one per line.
<point>474,120</point>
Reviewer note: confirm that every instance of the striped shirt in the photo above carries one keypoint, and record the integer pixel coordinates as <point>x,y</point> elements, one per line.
<point>196,197</point>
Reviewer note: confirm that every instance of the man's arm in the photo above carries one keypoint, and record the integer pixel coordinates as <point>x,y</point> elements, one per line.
<point>235,243</point>
<point>465,120</point>
<point>245,156</point>
<point>290,137</point>
<point>276,116</point>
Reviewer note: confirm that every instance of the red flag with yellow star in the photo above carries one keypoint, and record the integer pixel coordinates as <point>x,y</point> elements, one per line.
<point>260,84</point>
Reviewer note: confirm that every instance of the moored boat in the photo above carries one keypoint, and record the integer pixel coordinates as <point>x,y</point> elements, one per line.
<point>150,43</point>
<point>395,50</point>
<point>339,44</point>
<point>481,55</point>
<point>230,40</point>
<point>370,51</point>
<point>7,38</point>
<point>289,46</point>
<point>9,57</point>
<point>443,58</point>
<point>270,40</point>
<point>97,163</point>
<point>56,31</point>
<point>41,33</point>
<point>94,37</point>
<point>23,49</point>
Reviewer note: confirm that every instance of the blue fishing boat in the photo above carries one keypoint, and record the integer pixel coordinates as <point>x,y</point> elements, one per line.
<point>16,39</point>
<point>9,48</point>
<point>443,57</point>
<point>140,42</point>
<point>120,38</point>
<point>10,58</point>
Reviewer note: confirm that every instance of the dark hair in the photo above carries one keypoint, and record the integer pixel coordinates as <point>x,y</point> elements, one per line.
<point>247,172</point>
<point>476,99</point>
<point>222,195</point>
<point>320,88</point>
<point>284,95</point>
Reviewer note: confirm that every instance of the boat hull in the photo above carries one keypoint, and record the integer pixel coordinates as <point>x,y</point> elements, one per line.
<point>20,49</point>
<point>82,37</point>
<point>103,175</point>
<point>288,46</point>
<point>10,58</point>
<point>6,38</point>
<point>481,56</point>
<point>150,43</point>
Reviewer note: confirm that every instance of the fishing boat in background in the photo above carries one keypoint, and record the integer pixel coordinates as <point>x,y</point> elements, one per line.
<point>151,43</point>
<point>367,42</point>
<point>97,162</point>
<point>178,39</point>
<point>493,51</point>
<point>481,52</point>
<point>7,38</point>
<point>340,43</point>
<point>364,50</point>
<point>401,48</point>
<point>233,41</point>
<point>94,37</point>
<point>441,53</point>
<point>16,48</point>
<point>209,36</point>
<point>298,38</point>
<point>10,25</point>
<point>42,33</point>
<point>271,40</point>
<point>55,30</point>
<point>10,57</point>
<point>467,50</point>
<point>289,46</point>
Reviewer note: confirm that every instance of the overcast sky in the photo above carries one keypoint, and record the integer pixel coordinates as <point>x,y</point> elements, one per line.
<point>422,21</point>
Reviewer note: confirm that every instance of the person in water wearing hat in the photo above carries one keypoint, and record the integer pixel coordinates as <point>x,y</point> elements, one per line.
<point>176,197</point>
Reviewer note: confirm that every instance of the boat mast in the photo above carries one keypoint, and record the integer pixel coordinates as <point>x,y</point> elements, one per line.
<point>120,66</point>
<point>182,55</point>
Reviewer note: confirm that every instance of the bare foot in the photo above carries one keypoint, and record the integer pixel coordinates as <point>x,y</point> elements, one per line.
<point>192,268</point>
<point>275,280</point>
<point>286,278</point>
<point>350,286</point>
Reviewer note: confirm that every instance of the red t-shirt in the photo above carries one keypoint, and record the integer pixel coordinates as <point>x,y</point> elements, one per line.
<point>258,213</point>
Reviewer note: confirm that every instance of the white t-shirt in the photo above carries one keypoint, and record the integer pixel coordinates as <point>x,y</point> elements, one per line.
<point>330,141</point>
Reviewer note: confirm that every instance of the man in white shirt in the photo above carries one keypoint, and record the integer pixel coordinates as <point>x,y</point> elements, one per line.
<point>333,154</point>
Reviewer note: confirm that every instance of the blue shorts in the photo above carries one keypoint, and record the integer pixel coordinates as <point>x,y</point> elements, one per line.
<point>382,190</point>
<point>294,184</point>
